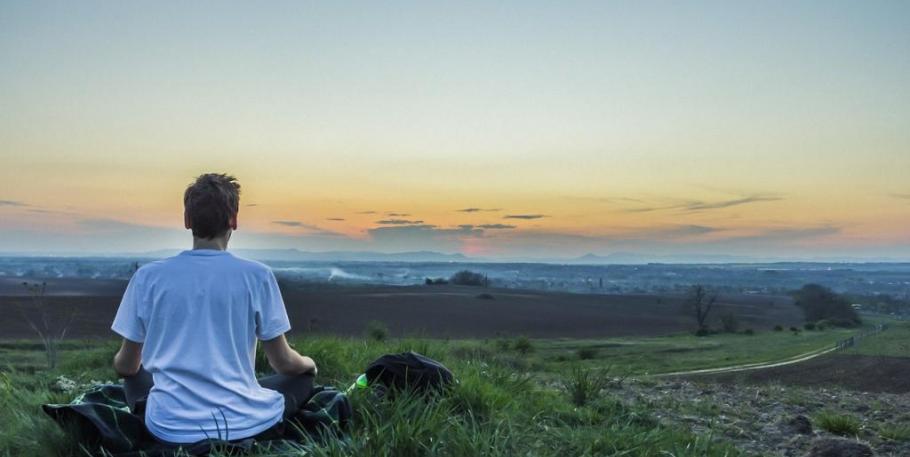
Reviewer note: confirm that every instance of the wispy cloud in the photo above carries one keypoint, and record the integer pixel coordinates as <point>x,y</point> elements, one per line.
<point>251,204</point>
<point>398,222</point>
<point>478,210</point>
<point>525,216</point>
<point>334,219</point>
<point>901,196</point>
<point>678,231</point>
<point>366,212</point>
<point>423,235</point>
<point>496,226</point>
<point>310,228</point>
<point>289,223</point>
<point>37,209</point>
<point>487,226</point>
<point>604,199</point>
<point>703,205</point>
<point>397,214</point>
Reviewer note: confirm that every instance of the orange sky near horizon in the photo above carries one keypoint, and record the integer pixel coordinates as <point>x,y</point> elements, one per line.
<point>778,131</point>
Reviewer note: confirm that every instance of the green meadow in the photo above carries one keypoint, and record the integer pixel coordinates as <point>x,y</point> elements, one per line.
<point>514,396</point>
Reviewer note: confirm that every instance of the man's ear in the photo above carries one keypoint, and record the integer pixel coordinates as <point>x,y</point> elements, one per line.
<point>233,222</point>
<point>186,221</point>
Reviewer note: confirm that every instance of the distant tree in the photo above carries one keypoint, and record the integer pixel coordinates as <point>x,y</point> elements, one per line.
<point>49,328</point>
<point>820,303</point>
<point>700,302</point>
<point>469,278</point>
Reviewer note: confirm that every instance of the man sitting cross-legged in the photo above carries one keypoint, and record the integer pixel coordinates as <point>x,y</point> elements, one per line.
<point>190,325</point>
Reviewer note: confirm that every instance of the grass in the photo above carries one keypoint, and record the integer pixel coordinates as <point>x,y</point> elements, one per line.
<point>895,432</point>
<point>893,342</point>
<point>584,385</point>
<point>514,397</point>
<point>838,424</point>
<point>665,354</point>
<point>498,408</point>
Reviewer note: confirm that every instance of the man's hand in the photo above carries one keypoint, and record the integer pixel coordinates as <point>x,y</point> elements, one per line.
<point>128,358</point>
<point>285,360</point>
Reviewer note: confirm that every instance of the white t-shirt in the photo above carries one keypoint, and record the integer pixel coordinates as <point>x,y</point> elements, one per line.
<point>199,314</point>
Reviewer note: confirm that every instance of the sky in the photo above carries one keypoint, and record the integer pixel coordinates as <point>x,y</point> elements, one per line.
<point>492,129</point>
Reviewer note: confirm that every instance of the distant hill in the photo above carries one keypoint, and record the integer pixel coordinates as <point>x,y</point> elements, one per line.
<point>631,258</point>
<point>329,256</point>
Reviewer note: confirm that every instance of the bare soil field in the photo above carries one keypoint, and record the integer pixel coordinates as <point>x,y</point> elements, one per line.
<point>431,311</point>
<point>856,372</point>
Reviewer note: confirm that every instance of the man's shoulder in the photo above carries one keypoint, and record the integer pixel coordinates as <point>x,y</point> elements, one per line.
<point>254,266</point>
<point>226,263</point>
<point>151,267</point>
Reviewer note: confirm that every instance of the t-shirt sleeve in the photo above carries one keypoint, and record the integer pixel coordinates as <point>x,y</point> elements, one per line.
<point>272,317</point>
<point>127,322</point>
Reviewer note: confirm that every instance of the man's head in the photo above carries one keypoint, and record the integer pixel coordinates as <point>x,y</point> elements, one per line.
<point>210,205</point>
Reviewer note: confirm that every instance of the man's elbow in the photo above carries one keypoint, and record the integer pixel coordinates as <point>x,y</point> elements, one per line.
<point>294,365</point>
<point>285,366</point>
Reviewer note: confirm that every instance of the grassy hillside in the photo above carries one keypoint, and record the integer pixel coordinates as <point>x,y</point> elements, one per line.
<point>894,342</point>
<point>515,396</point>
<point>655,355</point>
<point>496,409</point>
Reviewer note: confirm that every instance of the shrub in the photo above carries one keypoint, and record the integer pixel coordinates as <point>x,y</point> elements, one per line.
<point>377,331</point>
<point>584,385</point>
<point>523,345</point>
<point>838,424</point>
<point>702,332</point>
<point>895,432</point>
<point>434,282</point>
<point>586,353</point>
<point>503,344</point>
<point>778,328</point>
<point>840,322</point>
<point>809,326</point>
<point>795,330</point>
<point>486,297</point>
<point>749,332</point>
<point>469,278</point>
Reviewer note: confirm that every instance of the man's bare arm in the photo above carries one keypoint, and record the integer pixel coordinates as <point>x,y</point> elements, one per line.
<point>285,360</point>
<point>128,358</point>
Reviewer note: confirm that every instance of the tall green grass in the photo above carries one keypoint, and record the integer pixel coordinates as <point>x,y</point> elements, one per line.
<point>838,424</point>
<point>497,408</point>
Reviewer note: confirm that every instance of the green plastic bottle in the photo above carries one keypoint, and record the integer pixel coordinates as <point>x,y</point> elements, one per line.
<point>359,383</point>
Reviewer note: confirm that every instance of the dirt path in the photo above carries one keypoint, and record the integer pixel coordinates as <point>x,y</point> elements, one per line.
<point>779,363</point>
<point>754,366</point>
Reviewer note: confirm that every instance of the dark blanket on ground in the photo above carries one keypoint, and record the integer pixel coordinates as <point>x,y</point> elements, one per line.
<point>101,419</point>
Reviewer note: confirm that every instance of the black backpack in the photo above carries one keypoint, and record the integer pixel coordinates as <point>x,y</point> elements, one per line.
<point>409,371</point>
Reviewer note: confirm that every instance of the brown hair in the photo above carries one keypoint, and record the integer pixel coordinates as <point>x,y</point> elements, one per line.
<point>210,202</point>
